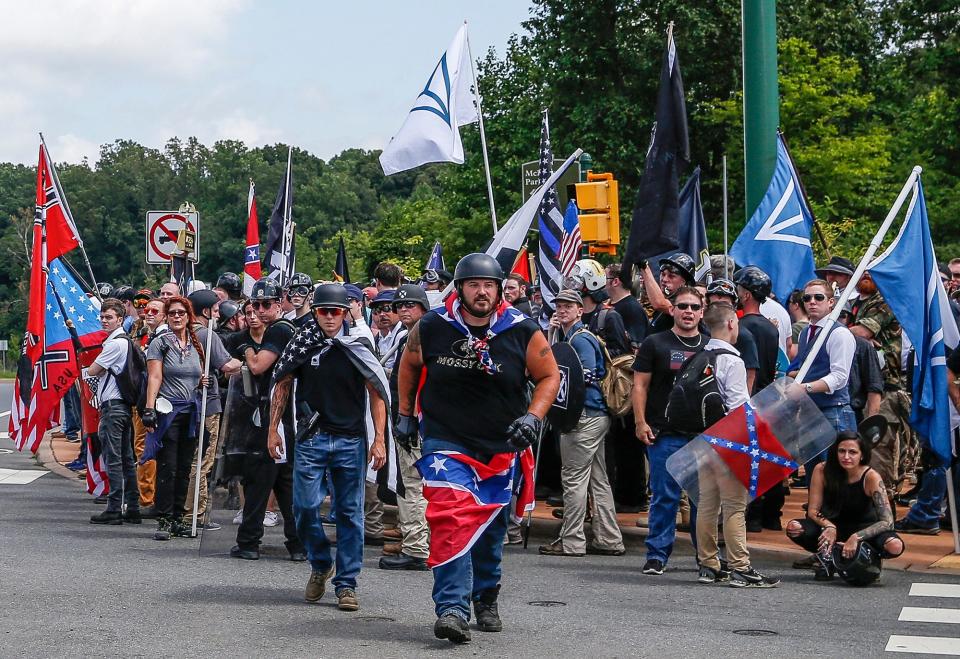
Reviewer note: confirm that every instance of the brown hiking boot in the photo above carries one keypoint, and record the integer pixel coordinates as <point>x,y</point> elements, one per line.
<point>347,600</point>
<point>392,549</point>
<point>317,585</point>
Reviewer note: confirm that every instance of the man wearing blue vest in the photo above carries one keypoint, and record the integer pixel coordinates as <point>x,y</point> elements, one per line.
<point>826,381</point>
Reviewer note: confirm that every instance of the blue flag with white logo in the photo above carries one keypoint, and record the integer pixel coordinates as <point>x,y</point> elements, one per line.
<point>777,237</point>
<point>909,280</point>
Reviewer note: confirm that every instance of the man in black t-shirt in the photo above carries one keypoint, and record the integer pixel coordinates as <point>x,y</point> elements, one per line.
<point>625,303</point>
<point>341,403</point>
<point>473,400</point>
<point>676,271</point>
<point>658,361</point>
<point>261,474</point>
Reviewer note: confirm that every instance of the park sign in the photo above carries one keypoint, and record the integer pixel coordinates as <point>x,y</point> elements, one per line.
<point>170,233</point>
<point>530,179</point>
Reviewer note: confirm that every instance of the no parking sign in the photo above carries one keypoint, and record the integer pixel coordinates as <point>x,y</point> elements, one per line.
<point>163,230</point>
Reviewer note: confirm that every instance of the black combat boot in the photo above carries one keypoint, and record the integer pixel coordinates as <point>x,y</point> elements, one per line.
<point>486,612</point>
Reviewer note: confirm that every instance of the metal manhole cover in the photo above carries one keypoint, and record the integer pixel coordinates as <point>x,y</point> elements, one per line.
<point>755,632</point>
<point>376,618</point>
<point>546,603</point>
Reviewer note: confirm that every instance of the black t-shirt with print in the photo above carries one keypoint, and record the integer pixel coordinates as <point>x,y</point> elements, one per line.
<point>460,402</point>
<point>662,355</point>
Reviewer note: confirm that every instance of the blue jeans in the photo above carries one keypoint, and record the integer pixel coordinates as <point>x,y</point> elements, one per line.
<point>462,580</point>
<point>71,414</point>
<point>842,418</point>
<point>933,488</point>
<point>665,501</point>
<point>344,459</point>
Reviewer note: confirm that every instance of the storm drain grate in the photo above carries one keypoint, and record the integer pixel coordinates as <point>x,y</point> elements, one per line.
<point>754,632</point>
<point>546,603</point>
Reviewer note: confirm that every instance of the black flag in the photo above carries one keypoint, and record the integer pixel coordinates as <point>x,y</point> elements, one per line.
<point>341,272</point>
<point>691,229</point>
<point>281,257</point>
<point>654,227</point>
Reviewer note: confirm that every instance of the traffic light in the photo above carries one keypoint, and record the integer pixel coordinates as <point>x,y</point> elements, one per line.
<point>599,203</point>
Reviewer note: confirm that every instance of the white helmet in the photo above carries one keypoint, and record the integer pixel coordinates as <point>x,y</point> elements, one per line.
<point>587,275</point>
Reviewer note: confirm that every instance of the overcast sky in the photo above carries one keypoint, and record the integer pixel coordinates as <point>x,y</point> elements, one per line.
<point>321,75</point>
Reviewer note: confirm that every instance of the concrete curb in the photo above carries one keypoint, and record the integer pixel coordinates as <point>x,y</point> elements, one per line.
<point>47,460</point>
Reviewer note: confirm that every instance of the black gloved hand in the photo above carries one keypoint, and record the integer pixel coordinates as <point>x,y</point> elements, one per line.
<point>149,418</point>
<point>406,430</point>
<point>524,431</point>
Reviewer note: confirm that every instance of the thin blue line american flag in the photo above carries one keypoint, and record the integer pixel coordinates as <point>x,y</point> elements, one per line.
<point>551,227</point>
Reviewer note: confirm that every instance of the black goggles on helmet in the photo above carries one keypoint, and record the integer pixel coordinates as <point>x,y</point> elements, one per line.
<point>301,291</point>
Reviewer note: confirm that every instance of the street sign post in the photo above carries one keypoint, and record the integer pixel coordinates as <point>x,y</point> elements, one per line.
<point>530,180</point>
<point>169,232</point>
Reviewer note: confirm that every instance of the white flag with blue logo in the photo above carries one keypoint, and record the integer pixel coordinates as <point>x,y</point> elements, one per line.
<point>909,280</point>
<point>777,237</point>
<point>431,131</point>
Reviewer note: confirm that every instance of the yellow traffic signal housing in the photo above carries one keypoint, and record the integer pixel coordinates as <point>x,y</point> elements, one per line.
<point>599,203</point>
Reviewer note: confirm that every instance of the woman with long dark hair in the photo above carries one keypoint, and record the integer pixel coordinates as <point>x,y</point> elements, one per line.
<point>174,372</point>
<point>847,504</point>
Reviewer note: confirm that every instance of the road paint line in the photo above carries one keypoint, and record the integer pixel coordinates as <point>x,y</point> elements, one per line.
<point>934,590</point>
<point>929,614</point>
<point>3,414</point>
<point>924,645</point>
<point>20,476</point>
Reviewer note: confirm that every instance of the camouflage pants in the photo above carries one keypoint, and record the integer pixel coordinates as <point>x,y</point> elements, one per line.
<point>897,451</point>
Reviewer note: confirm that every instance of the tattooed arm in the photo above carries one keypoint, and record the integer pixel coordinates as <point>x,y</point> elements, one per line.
<point>544,372</point>
<point>408,376</point>
<point>278,404</point>
<point>881,504</point>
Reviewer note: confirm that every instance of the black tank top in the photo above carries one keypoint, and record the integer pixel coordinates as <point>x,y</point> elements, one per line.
<point>460,402</point>
<point>856,510</point>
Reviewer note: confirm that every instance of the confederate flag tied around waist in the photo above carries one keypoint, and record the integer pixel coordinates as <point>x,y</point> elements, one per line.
<point>465,495</point>
<point>756,445</point>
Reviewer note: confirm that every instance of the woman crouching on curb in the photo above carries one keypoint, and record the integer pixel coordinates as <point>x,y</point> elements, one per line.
<point>847,509</point>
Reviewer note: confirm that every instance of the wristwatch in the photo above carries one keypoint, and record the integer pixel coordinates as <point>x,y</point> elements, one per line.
<point>809,387</point>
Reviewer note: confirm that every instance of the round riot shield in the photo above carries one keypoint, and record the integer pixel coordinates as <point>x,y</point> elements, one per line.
<point>567,408</point>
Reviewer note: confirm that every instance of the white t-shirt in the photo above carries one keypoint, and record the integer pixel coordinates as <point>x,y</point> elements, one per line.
<point>779,316</point>
<point>112,358</point>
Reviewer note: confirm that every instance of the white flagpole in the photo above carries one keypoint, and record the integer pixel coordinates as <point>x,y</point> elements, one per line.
<point>284,246</point>
<point>203,416</point>
<point>483,137</point>
<point>952,500</point>
<point>726,270</point>
<point>861,267</point>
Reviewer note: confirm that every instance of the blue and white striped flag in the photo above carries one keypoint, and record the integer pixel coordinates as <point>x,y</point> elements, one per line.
<point>909,280</point>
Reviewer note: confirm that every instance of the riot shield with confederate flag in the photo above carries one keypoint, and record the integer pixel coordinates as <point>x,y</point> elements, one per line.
<point>756,445</point>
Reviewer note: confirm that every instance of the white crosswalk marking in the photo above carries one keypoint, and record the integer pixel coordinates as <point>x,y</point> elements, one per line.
<point>924,645</point>
<point>929,614</point>
<point>934,590</point>
<point>20,476</point>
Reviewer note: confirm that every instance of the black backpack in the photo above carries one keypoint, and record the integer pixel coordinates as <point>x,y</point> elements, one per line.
<point>695,403</point>
<point>132,378</point>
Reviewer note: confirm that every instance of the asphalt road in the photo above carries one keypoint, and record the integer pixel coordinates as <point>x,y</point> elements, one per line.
<point>68,588</point>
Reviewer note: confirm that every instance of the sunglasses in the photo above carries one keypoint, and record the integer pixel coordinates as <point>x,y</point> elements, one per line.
<point>693,306</point>
<point>176,313</point>
<point>406,305</point>
<point>386,308</point>
<point>262,305</point>
<point>819,297</point>
<point>151,312</point>
<point>301,291</point>
<point>329,311</point>
<point>671,269</point>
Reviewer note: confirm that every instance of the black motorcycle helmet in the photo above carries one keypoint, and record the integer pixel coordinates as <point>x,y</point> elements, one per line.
<point>230,282</point>
<point>299,279</point>
<point>411,293</point>
<point>328,296</point>
<point>723,287</point>
<point>202,300</point>
<point>861,569</point>
<point>124,293</point>
<point>104,290</point>
<point>754,280</point>
<point>265,288</point>
<point>683,265</point>
<point>477,266</point>
<point>227,310</point>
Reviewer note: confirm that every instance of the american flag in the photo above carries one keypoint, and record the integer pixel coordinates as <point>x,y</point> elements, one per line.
<point>551,227</point>
<point>572,244</point>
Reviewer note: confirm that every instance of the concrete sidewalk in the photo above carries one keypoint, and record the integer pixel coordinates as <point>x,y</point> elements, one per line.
<point>924,553</point>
